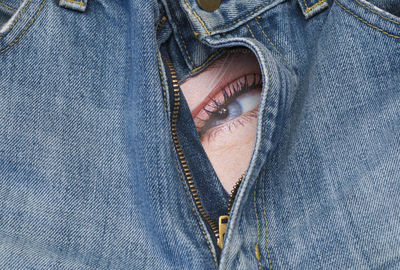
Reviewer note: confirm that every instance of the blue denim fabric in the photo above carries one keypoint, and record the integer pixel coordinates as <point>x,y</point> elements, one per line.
<point>89,173</point>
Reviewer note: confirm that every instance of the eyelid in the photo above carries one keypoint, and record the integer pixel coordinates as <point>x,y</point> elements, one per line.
<point>233,123</point>
<point>252,79</point>
<point>216,94</point>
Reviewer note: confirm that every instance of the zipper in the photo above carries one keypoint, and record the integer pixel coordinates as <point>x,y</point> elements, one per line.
<point>219,231</point>
<point>223,220</point>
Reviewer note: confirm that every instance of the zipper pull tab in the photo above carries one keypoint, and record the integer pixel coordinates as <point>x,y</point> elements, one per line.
<point>222,224</point>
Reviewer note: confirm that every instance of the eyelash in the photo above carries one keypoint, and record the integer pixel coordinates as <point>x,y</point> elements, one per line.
<point>230,93</point>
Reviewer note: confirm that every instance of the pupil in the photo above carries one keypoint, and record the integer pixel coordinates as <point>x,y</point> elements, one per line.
<point>222,113</point>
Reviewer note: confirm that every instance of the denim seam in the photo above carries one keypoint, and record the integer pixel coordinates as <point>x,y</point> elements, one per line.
<point>7,6</point>
<point>227,25</point>
<point>26,28</point>
<point>364,21</point>
<point>184,45</point>
<point>373,11</point>
<point>272,44</point>
<point>162,81</point>
<point>16,20</point>
<point>261,141</point>
<point>75,2</point>
<point>207,60</point>
<point>244,16</point>
<point>266,222</point>
<point>255,206</point>
<point>308,9</point>
<point>251,32</point>
<point>256,249</point>
<point>198,17</point>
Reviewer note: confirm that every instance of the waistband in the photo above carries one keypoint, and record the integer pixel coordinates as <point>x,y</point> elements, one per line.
<point>233,13</point>
<point>192,24</point>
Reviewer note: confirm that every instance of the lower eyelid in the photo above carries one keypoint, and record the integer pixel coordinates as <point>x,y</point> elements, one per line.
<point>212,133</point>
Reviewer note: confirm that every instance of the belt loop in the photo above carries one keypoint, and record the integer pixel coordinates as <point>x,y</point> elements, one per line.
<point>311,8</point>
<point>79,5</point>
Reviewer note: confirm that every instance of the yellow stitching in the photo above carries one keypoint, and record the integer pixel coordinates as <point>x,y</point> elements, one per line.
<point>197,16</point>
<point>373,26</point>
<point>308,9</point>
<point>26,28</point>
<point>263,195</point>
<point>75,2</point>
<point>225,26</point>
<point>270,42</point>
<point>7,6</point>
<point>205,62</point>
<point>238,20</point>
<point>251,32</point>
<point>258,225</point>
<point>261,141</point>
<point>373,11</point>
<point>263,124</point>
<point>184,45</point>
<point>19,16</point>
<point>266,222</point>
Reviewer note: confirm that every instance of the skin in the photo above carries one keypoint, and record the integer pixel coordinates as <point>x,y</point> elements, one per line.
<point>228,145</point>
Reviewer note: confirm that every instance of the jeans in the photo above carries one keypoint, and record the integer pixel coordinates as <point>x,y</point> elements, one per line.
<point>98,163</point>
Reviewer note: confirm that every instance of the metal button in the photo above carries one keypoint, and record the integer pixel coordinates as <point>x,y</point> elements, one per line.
<point>209,5</point>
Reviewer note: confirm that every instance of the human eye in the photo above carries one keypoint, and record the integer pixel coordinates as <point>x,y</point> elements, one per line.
<point>234,105</point>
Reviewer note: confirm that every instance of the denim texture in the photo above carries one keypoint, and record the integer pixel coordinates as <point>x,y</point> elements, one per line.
<point>89,174</point>
<point>74,5</point>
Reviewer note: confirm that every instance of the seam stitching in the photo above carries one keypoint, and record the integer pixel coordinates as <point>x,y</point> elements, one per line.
<point>272,44</point>
<point>265,113</point>
<point>364,21</point>
<point>7,6</point>
<point>184,45</point>
<point>251,32</point>
<point>162,81</point>
<point>198,17</point>
<point>263,200</point>
<point>258,225</point>
<point>17,19</point>
<point>244,16</point>
<point>266,222</point>
<point>373,11</point>
<point>261,141</point>
<point>308,9</point>
<point>26,28</point>
<point>208,32</point>
<point>75,2</point>
<point>207,60</point>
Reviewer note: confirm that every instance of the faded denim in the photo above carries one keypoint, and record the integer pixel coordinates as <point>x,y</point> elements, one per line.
<point>89,176</point>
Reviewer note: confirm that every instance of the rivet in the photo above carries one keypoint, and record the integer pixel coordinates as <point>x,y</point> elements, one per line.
<point>209,5</point>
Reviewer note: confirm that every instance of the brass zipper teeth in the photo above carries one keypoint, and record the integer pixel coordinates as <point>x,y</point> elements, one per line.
<point>188,176</point>
<point>223,220</point>
<point>233,194</point>
<point>181,157</point>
